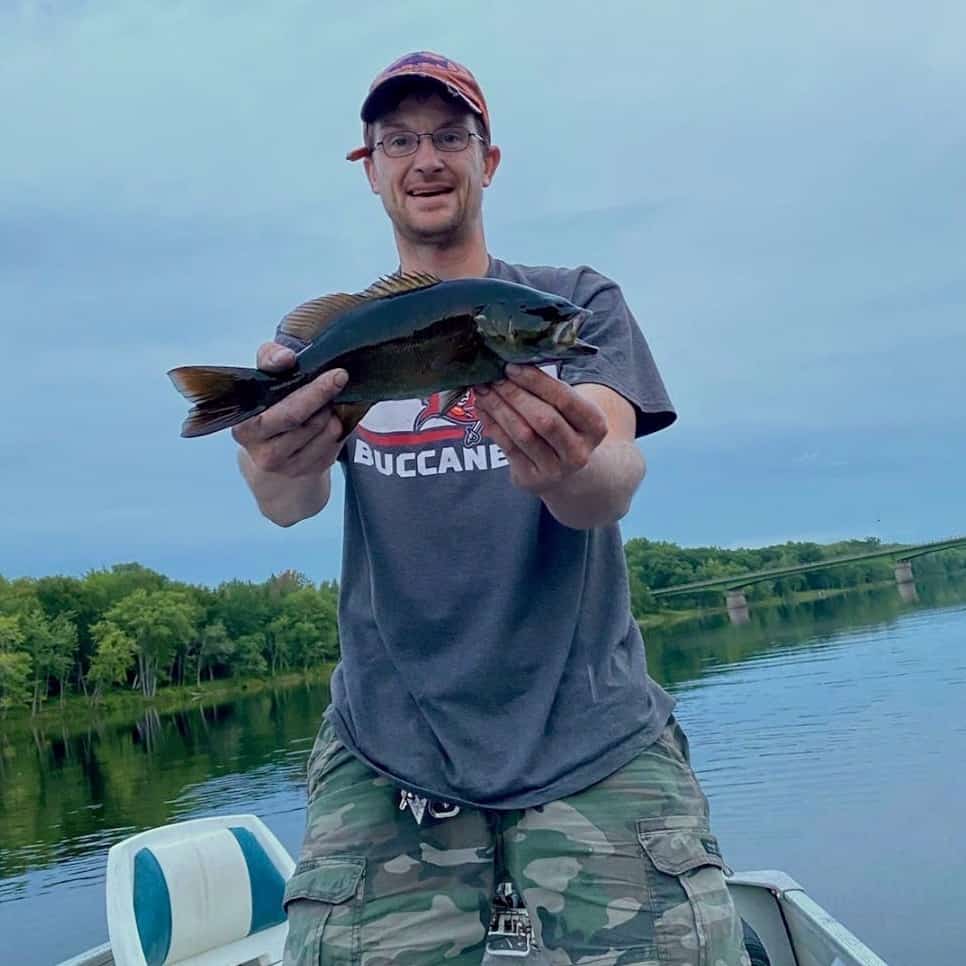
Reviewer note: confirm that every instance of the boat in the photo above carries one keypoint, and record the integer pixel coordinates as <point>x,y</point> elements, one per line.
<point>210,892</point>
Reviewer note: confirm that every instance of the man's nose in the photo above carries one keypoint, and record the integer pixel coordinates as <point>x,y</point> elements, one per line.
<point>427,157</point>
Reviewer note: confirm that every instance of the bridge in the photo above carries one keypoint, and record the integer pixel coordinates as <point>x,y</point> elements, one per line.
<point>734,584</point>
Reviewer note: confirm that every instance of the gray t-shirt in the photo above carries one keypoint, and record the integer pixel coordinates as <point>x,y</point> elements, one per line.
<point>489,655</point>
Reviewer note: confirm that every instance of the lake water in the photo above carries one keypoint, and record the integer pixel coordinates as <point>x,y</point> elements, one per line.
<point>830,737</point>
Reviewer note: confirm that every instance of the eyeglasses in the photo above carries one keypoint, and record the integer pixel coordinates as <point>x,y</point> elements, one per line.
<point>401,143</point>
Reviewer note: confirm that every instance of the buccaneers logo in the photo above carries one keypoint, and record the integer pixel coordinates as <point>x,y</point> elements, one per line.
<point>461,413</point>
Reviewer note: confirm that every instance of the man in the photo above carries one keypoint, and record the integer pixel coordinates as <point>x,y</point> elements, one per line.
<point>491,715</point>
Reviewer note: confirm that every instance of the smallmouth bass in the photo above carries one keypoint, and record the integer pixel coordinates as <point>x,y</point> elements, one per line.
<point>407,336</point>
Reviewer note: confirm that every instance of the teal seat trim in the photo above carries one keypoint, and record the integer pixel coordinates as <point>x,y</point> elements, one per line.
<point>152,908</point>
<point>267,884</point>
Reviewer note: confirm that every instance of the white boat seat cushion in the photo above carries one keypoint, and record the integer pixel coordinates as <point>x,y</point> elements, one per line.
<point>206,892</point>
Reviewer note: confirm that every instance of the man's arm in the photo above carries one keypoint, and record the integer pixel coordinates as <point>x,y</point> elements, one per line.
<point>287,451</point>
<point>571,446</point>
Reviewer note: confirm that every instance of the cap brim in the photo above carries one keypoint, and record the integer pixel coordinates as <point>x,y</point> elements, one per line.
<point>371,105</point>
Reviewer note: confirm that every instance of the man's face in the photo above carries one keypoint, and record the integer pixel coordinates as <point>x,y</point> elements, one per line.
<point>432,195</point>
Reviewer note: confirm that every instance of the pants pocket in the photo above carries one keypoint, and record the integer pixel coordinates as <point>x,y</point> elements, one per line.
<point>695,920</point>
<point>323,904</point>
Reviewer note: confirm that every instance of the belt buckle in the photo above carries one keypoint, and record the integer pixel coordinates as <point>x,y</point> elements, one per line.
<point>443,810</point>
<point>415,803</point>
<point>420,806</point>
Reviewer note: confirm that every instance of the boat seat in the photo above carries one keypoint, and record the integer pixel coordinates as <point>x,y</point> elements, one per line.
<point>206,892</point>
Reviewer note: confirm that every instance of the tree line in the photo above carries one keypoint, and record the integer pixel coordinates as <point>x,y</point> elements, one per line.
<point>131,628</point>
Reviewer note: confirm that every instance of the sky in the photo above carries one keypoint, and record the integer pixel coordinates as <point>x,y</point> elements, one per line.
<point>778,189</point>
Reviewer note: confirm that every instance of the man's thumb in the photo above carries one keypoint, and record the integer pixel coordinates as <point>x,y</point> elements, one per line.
<point>273,357</point>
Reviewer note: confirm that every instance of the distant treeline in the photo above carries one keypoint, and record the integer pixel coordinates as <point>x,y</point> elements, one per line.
<point>654,565</point>
<point>131,628</point>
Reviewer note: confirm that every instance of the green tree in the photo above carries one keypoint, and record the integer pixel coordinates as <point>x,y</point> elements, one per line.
<point>51,643</point>
<point>243,608</point>
<point>306,632</point>
<point>14,679</point>
<point>215,647</point>
<point>14,664</point>
<point>158,622</point>
<point>113,658</point>
<point>250,656</point>
<point>70,598</point>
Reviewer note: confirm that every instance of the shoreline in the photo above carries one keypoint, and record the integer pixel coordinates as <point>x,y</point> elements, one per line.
<point>670,618</point>
<point>77,711</point>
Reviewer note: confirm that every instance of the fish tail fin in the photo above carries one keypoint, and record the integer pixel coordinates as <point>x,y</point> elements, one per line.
<point>223,396</point>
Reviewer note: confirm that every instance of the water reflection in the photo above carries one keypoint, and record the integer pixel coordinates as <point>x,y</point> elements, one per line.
<point>67,794</point>
<point>685,651</point>
<point>737,606</point>
<point>908,592</point>
<point>736,602</point>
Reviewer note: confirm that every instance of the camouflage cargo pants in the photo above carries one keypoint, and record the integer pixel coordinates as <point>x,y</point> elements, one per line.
<point>626,871</point>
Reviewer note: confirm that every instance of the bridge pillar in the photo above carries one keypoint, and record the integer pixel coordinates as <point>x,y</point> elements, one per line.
<point>737,605</point>
<point>905,580</point>
<point>908,592</point>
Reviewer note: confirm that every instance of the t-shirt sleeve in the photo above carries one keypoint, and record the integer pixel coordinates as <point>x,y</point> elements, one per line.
<point>623,361</point>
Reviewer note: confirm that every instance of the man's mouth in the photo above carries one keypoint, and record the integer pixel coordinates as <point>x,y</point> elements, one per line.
<point>428,192</point>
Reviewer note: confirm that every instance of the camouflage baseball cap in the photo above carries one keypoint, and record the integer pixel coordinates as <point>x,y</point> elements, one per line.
<point>456,78</point>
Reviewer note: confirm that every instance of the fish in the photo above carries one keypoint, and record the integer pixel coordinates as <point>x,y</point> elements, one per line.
<point>407,336</point>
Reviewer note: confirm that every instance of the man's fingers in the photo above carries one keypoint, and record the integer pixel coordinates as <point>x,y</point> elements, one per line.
<point>517,457</point>
<point>272,357</point>
<point>296,409</point>
<point>519,431</point>
<point>320,450</point>
<point>581,413</point>
<point>548,423</point>
<point>275,454</point>
<point>541,422</point>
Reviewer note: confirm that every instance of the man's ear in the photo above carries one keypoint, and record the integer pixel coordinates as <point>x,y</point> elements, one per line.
<point>490,163</point>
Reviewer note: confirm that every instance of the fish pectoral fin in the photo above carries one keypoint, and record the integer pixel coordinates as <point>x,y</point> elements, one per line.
<point>350,414</point>
<point>390,285</point>
<point>307,320</point>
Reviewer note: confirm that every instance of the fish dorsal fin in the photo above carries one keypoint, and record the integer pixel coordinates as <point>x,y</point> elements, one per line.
<point>307,320</point>
<point>397,284</point>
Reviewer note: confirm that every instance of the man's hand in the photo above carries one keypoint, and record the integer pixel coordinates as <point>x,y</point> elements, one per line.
<point>573,447</point>
<point>547,430</point>
<point>288,450</point>
<point>300,434</point>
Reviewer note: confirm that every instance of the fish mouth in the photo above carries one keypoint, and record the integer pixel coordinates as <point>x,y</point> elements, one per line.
<point>565,336</point>
<point>562,335</point>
